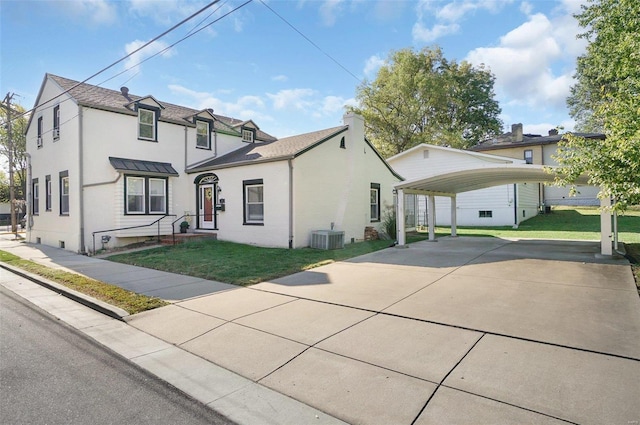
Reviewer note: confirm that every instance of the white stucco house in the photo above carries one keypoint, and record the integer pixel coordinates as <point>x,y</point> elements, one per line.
<point>110,163</point>
<point>502,205</point>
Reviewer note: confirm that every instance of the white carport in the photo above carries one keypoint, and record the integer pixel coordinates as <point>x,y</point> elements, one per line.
<point>450,184</point>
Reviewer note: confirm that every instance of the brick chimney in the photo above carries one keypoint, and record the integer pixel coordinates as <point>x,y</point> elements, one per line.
<point>516,132</point>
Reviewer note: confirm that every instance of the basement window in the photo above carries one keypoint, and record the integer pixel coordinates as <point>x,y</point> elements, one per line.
<point>485,214</point>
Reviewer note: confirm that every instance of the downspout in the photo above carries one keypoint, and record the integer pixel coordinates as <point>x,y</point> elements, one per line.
<point>28,194</point>
<point>185,149</point>
<point>515,205</point>
<point>290,203</point>
<point>81,180</point>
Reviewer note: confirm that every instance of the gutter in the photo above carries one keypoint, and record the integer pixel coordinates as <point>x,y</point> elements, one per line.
<point>81,178</point>
<point>515,205</point>
<point>28,194</point>
<point>290,203</point>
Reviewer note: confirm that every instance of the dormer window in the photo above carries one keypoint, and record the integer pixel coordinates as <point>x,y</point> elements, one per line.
<point>147,124</point>
<point>203,135</point>
<point>247,136</point>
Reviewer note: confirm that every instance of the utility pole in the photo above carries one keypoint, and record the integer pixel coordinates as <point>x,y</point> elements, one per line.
<point>12,194</point>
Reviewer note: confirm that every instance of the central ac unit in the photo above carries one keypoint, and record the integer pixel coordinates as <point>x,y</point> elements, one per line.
<point>327,239</point>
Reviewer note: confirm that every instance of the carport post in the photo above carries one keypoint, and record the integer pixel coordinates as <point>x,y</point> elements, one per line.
<point>400,218</point>
<point>605,227</point>
<point>432,218</point>
<point>454,231</point>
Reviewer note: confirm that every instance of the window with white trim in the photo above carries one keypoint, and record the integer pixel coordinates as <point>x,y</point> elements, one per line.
<point>485,214</point>
<point>135,195</point>
<point>146,124</point>
<point>203,135</point>
<point>145,195</point>
<point>247,135</point>
<point>35,197</point>
<point>157,196</point>
<point>528,156</point>
<point>253,201</point>
<point>64,193</point>
<point>374,201</point>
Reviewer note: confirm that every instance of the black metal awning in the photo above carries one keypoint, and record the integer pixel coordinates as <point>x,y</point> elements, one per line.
<point>139,166</point>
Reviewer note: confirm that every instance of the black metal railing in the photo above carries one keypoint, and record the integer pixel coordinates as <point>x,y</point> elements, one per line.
<point>134,227</point>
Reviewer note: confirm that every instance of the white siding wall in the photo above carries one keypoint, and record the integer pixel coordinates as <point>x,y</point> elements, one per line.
<point>553,195</point>
<point>52,158</point>
<point>231,227</point>
<point>418,164</point>
<point>332,185</point>
<point>497,199</point>
<point>528,203</point>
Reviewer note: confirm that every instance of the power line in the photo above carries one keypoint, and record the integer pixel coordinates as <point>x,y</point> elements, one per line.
<point>189,34</point>
<point>311,42</point>
<point>127,56</point>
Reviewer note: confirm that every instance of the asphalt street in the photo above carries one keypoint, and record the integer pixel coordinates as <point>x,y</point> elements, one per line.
<point>52,374</point>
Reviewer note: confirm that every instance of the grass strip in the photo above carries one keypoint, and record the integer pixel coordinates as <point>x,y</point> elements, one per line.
<point>241,264</point>
<point>129,301</point>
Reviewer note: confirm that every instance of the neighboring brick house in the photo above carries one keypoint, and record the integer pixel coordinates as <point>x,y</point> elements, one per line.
<point>539,150</point>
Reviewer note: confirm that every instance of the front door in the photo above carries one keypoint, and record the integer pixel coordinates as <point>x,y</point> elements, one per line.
<point>206,215</point>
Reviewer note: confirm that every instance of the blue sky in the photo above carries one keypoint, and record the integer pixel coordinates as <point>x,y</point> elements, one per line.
<point>252,64</point>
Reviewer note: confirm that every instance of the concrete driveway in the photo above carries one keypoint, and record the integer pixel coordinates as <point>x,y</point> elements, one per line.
<point>465,330</point>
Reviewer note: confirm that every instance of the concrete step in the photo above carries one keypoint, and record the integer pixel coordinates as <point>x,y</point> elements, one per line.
<point>183,237</point>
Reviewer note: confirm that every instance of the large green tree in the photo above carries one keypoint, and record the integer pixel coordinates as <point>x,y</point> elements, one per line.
<point>607,97</point>
<point>422,97</point>
<point>19,147</point>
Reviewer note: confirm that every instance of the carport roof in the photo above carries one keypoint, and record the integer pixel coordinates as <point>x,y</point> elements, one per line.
<point>467,180</point>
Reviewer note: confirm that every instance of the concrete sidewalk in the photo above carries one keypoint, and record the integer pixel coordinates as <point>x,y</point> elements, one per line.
<point>465,330</point>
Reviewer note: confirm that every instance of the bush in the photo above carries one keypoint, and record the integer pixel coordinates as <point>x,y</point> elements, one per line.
<point>389,223</point>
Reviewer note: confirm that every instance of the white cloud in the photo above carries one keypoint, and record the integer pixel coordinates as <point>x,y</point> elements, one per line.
<point>524,61</point>
<point>334,104</point>
<point>372,65</point>
<point>329,10</point>
<point>280,78</point>
<point>422,34</point>
<point>94,11</point>
<point>244,107</point>
<point>448,17</point>
<point>526,8</point>
<point>293,98</point>
<point>168,12</point>
<point>453,12</point>
<point>156,48</point>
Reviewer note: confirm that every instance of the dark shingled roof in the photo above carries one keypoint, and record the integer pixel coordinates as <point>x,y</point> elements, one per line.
<point>113,100</point>
<point>143,167</point>
<point>507,141</point>
<point>289,147</point>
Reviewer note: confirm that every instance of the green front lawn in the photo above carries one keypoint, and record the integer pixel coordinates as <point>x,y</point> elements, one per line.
<point>243,264</point>
<point>247,265</point>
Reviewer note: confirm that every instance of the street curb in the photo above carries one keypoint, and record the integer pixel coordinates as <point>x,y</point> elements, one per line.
<point>84,299</point>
